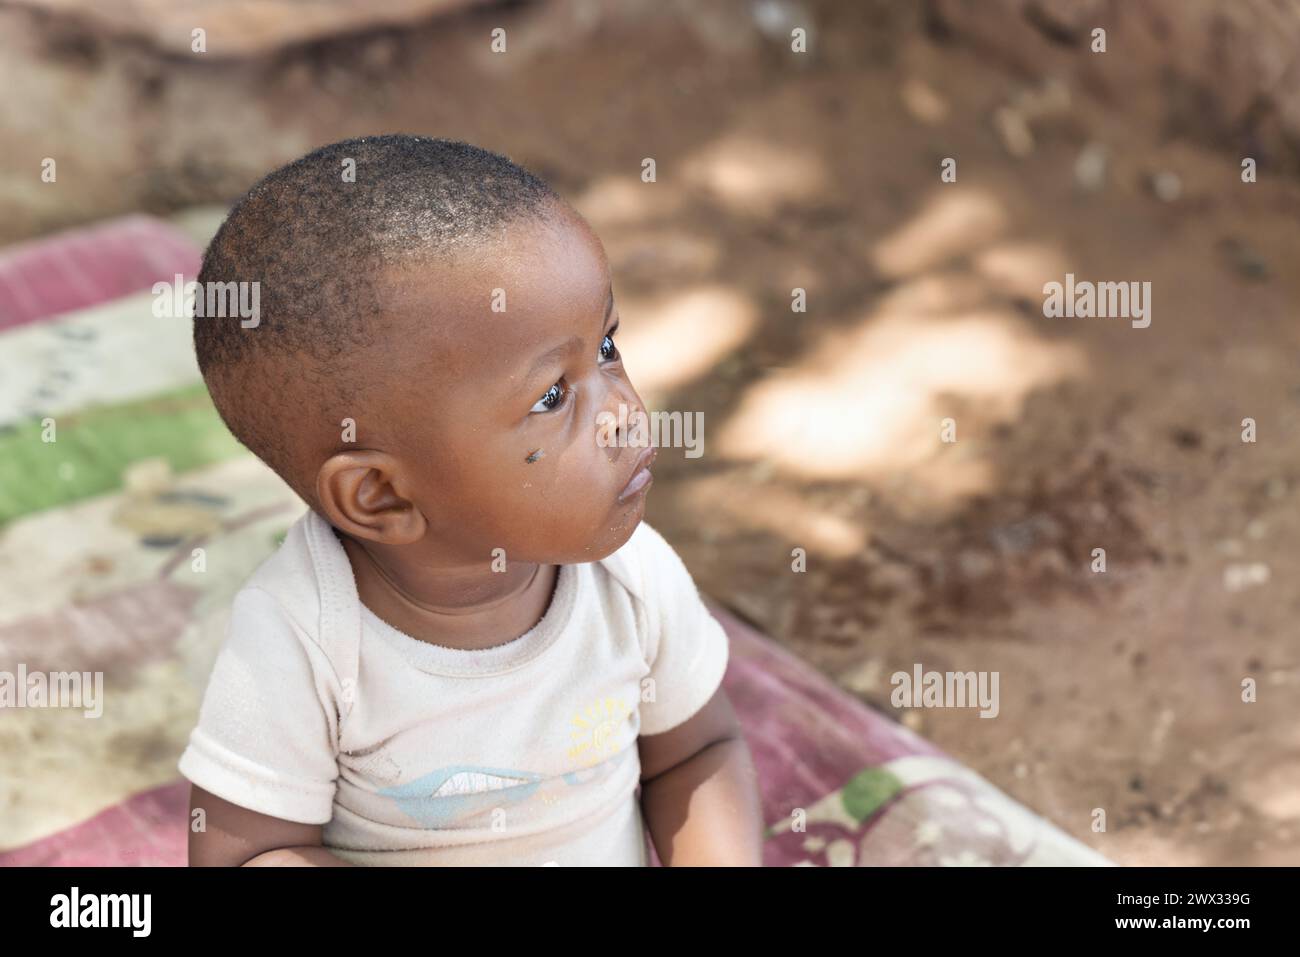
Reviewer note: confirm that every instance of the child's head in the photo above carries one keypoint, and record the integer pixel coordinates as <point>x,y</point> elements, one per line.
<point>459,312</point>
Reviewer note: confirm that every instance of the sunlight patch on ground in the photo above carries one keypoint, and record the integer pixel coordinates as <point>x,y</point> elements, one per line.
<point>624,200</point>
<point>950,224</point>
<point>1276,792</point>
<point>679,338</point>
<point>1021,268</point>
<point>754,176</point>
<point>869,402</point>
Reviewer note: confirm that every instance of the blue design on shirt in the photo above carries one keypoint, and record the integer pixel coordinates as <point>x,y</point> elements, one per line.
<point>458,791</point>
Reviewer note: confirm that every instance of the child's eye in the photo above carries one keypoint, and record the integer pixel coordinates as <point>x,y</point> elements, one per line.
<point>555,397</point>
<point>551,399</point>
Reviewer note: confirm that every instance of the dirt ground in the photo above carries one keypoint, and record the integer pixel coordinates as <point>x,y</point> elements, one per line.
<point>1120,690</point>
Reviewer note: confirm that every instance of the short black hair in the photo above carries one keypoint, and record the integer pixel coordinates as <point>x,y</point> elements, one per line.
<point>313,238</point>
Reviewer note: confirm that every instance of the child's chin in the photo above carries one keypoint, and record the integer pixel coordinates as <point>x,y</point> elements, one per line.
<point>614,534</point>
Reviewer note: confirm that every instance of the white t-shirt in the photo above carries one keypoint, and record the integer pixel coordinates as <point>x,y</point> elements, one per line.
<point>412,753</point>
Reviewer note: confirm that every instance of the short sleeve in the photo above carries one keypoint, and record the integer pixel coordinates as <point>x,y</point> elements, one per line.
<point>686,646</point>
<point>266,733</point>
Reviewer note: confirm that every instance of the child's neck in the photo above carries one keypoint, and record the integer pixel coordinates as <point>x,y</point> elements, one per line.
<point>471,612</point>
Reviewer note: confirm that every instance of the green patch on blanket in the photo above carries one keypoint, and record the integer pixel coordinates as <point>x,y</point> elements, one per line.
<point>868,790</point>
<point>94,446</point>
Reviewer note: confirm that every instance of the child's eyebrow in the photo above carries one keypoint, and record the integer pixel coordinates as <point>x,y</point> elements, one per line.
<point>571,344</point>
<point>550,355</point>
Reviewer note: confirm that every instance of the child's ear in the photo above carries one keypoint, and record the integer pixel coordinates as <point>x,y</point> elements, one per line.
<point>359,492</point>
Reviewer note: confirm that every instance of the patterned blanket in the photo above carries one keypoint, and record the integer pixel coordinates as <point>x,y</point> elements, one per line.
<point>97,530</point>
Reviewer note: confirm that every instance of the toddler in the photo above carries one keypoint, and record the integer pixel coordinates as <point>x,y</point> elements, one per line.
<point>471,649</point>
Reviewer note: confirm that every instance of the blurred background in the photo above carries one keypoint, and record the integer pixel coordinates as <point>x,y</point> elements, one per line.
<point>819,171</point>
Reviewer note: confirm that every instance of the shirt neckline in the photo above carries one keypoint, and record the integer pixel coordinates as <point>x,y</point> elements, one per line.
<point>460,662</point>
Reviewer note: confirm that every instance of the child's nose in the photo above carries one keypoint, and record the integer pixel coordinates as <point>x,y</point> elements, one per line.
<point>623,416</point>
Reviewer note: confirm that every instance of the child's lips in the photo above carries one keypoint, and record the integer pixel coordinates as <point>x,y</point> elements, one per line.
<point>641,477</point>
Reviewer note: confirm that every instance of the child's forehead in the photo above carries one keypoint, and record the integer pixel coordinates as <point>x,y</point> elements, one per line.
<point>493,311</point>
<point>530,264</point>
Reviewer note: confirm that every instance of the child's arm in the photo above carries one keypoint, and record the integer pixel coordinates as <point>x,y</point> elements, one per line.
<point>233,836</point>
<point>699,791</point>
<point>267,736</point>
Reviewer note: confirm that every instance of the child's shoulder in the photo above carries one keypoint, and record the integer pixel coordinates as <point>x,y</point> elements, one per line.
<point>290,575</point>
<point>639,563</point>
<point>283,617</point>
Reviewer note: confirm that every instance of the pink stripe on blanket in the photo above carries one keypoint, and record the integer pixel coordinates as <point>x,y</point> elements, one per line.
<point>146,830</point>
<point>808,736</point>
<point>84,267</point>
<point>115,632</point>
